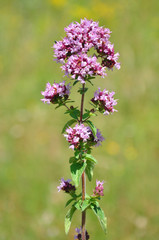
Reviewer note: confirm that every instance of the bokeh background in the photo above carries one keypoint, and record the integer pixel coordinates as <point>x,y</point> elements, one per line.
<point>33,153</point>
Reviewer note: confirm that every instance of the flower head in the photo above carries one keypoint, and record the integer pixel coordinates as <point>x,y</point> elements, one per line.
<point>81,134</point>
<point>104,101</point>
<point>72,50</point>
<point>66,186</point>
<point>56,92</point>
<point>98,191</point>
<point>79,234</point>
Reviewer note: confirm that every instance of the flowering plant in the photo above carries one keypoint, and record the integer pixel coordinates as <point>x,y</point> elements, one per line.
<point>73,52</point>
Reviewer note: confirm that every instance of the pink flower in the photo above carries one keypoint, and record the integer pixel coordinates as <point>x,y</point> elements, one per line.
<point>104,101</point>
<point>55,92</point>
<point>98,189</point>
<point>77,135</point>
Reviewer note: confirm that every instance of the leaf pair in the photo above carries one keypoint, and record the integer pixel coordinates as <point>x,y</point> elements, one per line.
<point>82,206</point>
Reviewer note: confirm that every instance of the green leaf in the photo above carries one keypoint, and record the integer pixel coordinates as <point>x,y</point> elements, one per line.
<point>89,170</point>
<point>85,204</point>
<point>69,201</point>
<point>90,82</point>
<point>93,128</point>
<point>89,157</point>
<point>68,124</point>
<point>74,113</point>
<point>77,169</point>
<point>58,105</point>
<point>100,215</point>
<point>89,78</point>
<point>85,115</point>
<point>81,91</point>
<point>72,159</point>
<point>76,153</point>
<point>78,204</point>
<point>75,83</point>
<point>69,101</point>
<point>68,218</point>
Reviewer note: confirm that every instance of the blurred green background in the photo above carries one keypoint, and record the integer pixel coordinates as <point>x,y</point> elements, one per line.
<point>33,153</point>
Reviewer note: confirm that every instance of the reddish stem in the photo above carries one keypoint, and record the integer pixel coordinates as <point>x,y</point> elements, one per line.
<point>83,176</point>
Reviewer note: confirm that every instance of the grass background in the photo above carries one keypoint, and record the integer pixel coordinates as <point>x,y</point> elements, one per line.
<point>33,154</point>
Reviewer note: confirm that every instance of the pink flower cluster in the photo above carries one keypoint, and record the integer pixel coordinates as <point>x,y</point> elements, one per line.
<point>98,189</point>
<point>81,66</point>
<point>55,92</point>
<point>82,134</point>
<point>66,186</point>
<point>80,38</point>
<point>104,101</point>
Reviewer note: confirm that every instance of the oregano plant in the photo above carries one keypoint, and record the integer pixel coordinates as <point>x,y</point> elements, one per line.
<point>81,66</point>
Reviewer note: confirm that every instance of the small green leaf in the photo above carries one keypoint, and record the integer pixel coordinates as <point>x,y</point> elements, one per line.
<point>89,170</point>
<point>85,116</point>
<point>89,78</point>
<point>68,218</point>
<point>93,128</point>
<point>69,101</point>
<point>68,124</point>
<point>89,157</point>
<point>69,201</point>
<point>58,106</point>
<point>81,90</point>
<point>100,215</point>
<point>77,169</point>
<point>85,204</point>
<point>75,83</point>
<point>90,82</point>
<point>78,204</point>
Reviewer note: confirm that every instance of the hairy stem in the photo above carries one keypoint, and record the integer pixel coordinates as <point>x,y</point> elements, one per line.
<point>83,175</point>
<point>82,103</point>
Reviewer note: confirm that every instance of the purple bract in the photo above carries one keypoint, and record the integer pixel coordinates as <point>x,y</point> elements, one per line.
<point>79,234</point>
<point>66,186</point>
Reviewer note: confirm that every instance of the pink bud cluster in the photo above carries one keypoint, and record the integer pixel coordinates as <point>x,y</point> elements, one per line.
<point>81,66</point>
<point>80,38</point>
<point>82,134</point>
<point>104,101</point>
<point>55,92</point>
<point>98,189</point>
<point>66,186</point>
